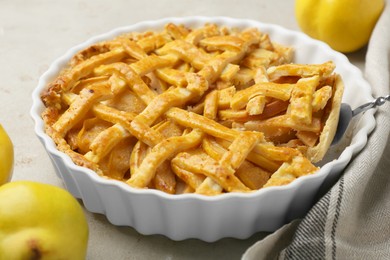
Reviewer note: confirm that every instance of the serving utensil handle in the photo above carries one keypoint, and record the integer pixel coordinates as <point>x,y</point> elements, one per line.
<point>377,102</point>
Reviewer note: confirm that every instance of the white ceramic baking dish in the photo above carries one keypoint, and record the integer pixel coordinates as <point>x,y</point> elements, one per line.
<point>229,215</point>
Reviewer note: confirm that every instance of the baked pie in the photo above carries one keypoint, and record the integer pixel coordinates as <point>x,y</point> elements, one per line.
<point>202,110</point>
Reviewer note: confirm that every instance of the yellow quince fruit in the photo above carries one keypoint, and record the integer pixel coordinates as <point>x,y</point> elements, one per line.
<point>346,25</point>
<point>6,156</point>
<point>40,221</point>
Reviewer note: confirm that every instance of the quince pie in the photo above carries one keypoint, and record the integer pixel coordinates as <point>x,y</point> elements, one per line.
<point>205,110</point>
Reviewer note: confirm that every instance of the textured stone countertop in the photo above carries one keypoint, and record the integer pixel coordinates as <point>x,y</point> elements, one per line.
<point>34,33</point>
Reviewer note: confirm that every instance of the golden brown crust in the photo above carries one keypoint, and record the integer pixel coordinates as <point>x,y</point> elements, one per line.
<point>211,109</point>
<point>316,153</point>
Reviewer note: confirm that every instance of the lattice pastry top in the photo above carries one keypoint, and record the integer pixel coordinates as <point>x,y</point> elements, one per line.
<point>206,110</point>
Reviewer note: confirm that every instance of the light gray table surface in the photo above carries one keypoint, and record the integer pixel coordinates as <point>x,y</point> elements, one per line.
<point>34,33</point>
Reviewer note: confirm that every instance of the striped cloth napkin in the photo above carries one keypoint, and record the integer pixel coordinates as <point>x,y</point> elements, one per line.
<point>352,220</point>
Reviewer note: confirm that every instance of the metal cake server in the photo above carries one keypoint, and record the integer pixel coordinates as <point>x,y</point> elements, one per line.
<point>346,115</point>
